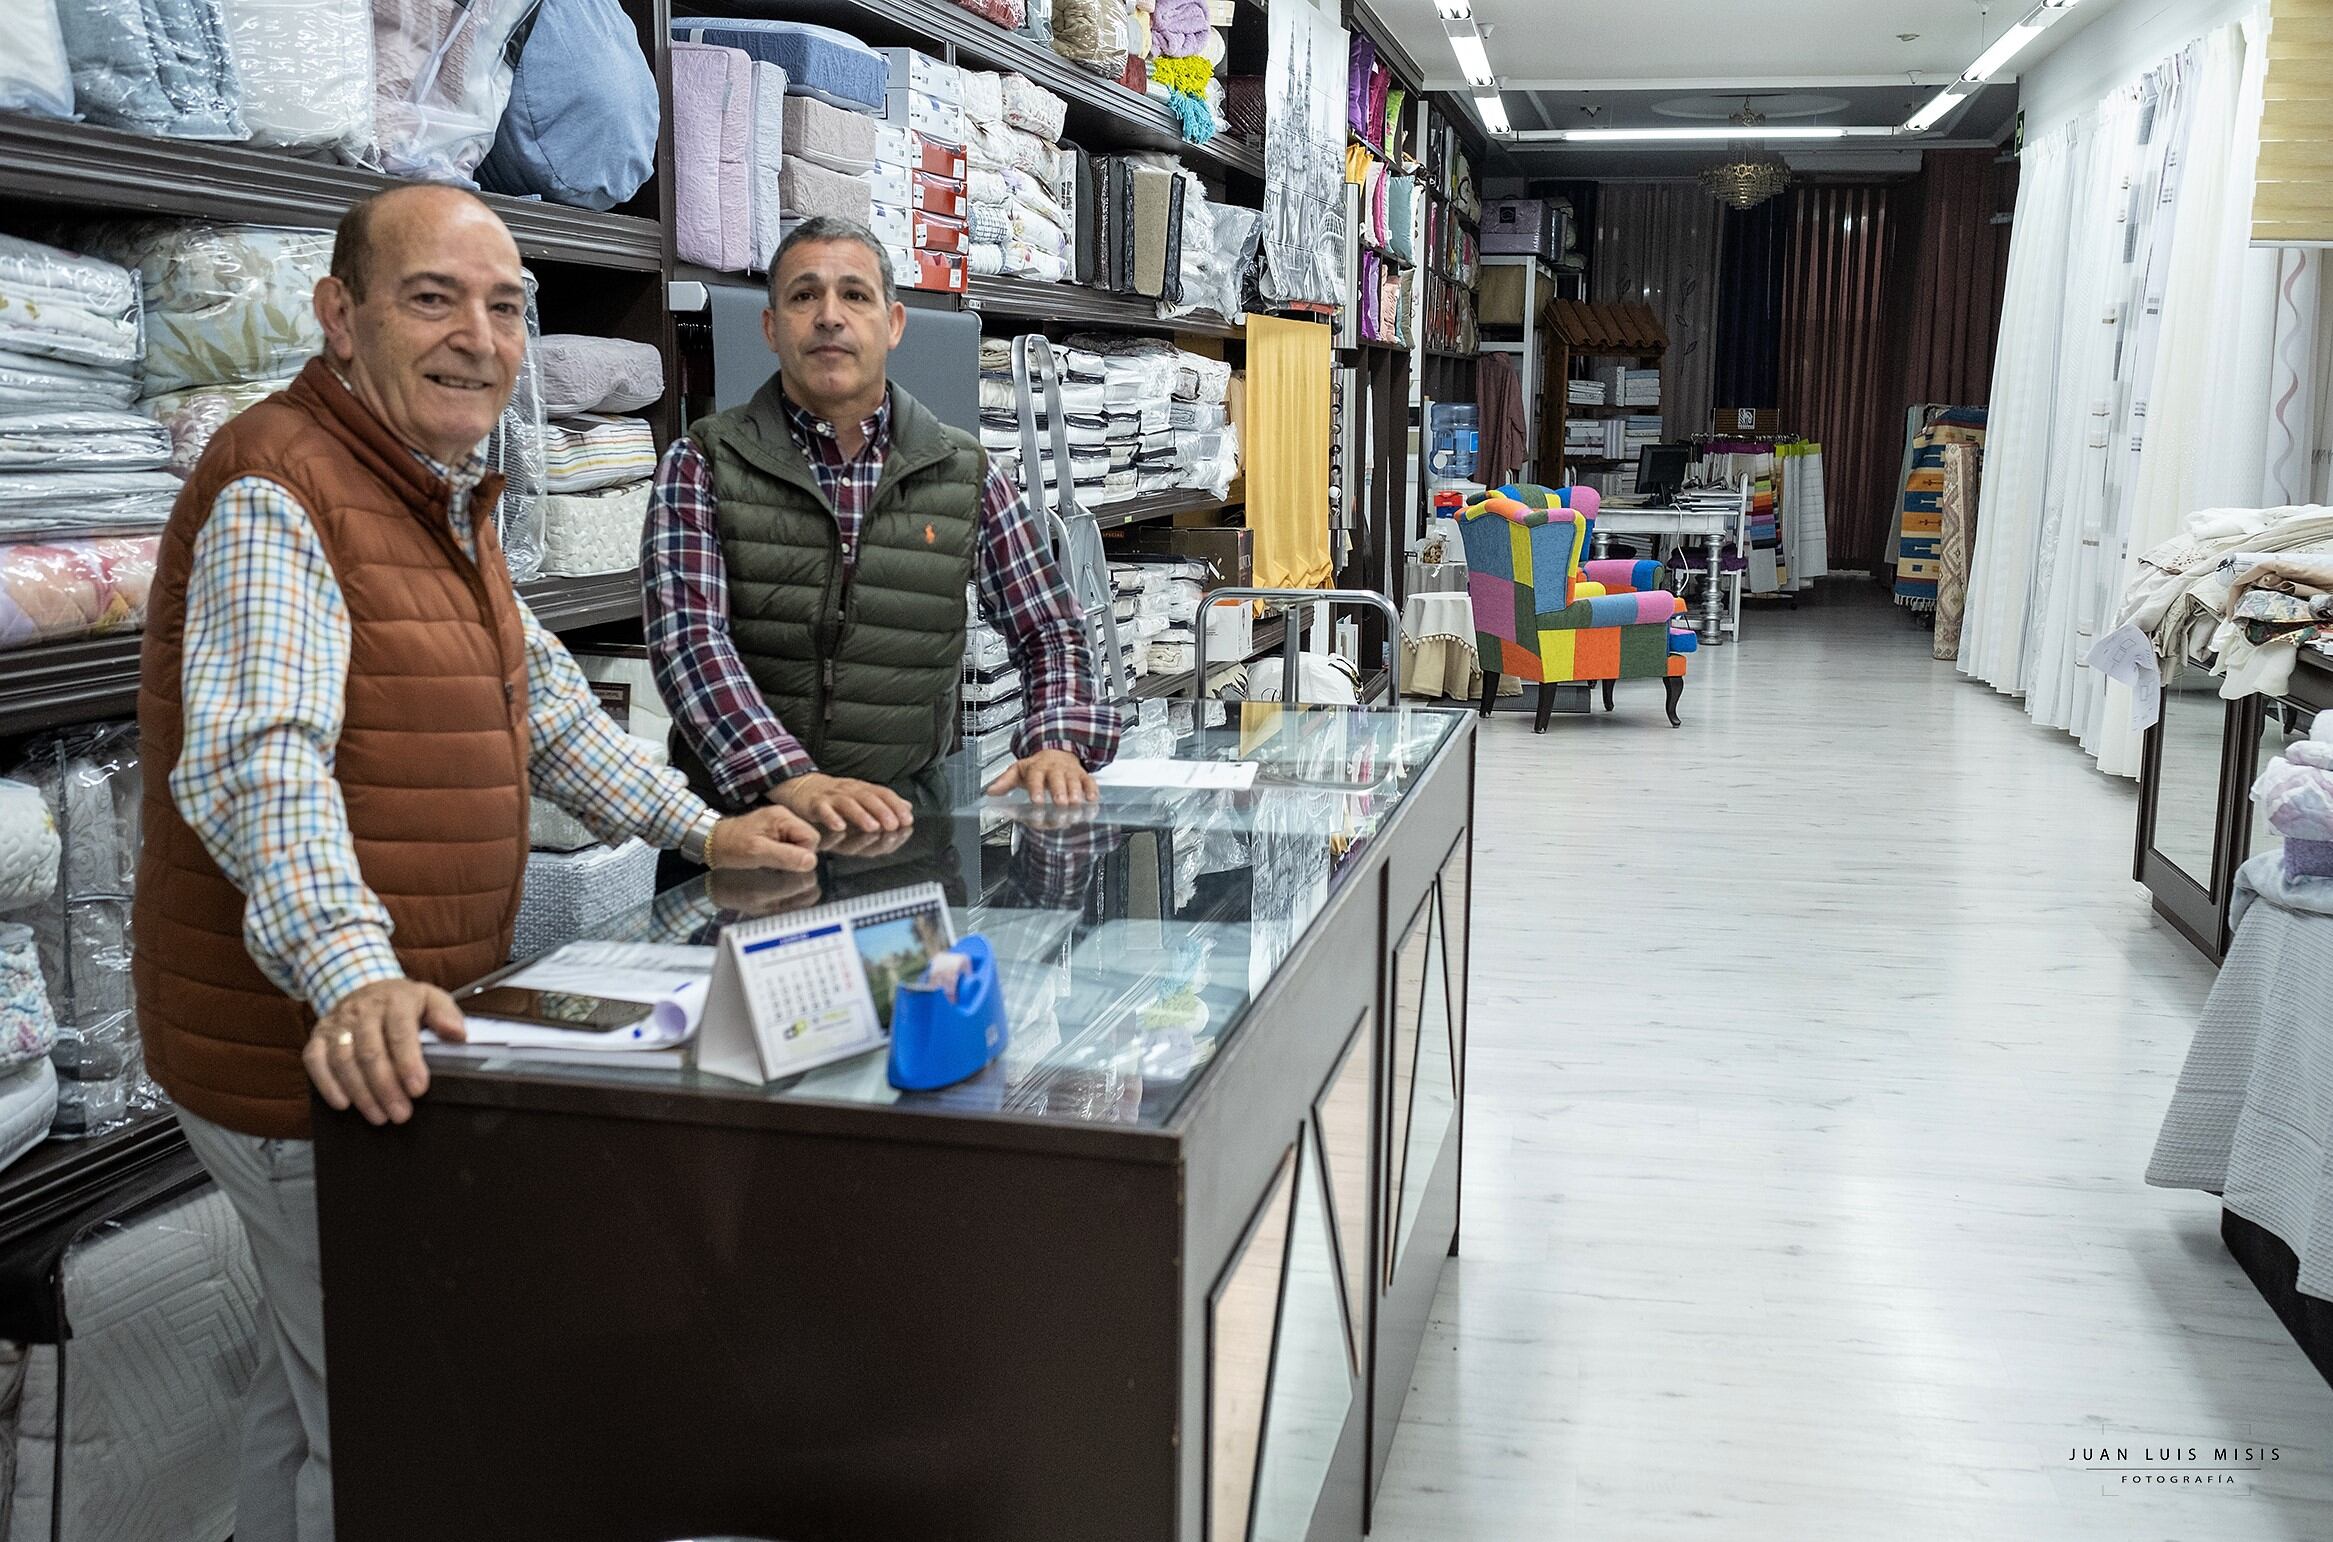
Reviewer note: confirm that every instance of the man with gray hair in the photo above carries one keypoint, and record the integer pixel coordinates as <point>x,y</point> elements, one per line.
<point>806,561</point>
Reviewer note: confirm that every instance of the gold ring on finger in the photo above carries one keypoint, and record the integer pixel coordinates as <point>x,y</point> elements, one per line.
<point>344,1040</point>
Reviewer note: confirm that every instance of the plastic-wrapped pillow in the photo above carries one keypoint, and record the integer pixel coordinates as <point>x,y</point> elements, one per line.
<point>983,92</point>
<point>193,418</point>
<point>1005,13</point>
<point>597,374</point>
<point>581,125</point>
<point>307,73</point>
<point>442,75</point>
<point>153,66</point>
<point>55,591</point>
<point>34,76</point>
<point>29,846</point>
<point>225,304</point>
<point>58,305</point>
<point>599,532</point>
<point>519,449</point>
<point>1030,106</point>
<point>986,184</point>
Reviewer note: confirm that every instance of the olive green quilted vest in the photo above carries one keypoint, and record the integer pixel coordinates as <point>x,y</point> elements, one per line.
<point>864,669</point>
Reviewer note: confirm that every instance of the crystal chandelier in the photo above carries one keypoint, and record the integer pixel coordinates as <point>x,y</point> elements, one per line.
<point>1753,175</point>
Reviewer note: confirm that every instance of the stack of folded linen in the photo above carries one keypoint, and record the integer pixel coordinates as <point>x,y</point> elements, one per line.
<point>1014,182</point>
<point>598,465</point>
<point>1084,414</point>
<point>83,484</point>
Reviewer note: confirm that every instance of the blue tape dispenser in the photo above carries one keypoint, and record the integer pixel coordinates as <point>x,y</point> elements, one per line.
<point>936,1042</point>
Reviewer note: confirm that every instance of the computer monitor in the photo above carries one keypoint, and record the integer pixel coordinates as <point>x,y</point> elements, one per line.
<point>1660,471</point>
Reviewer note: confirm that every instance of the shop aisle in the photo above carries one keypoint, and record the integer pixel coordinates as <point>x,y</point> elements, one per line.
<point>1818,1050</point>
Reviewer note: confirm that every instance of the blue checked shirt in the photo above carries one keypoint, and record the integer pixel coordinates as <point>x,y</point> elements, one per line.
<point>267,648</point>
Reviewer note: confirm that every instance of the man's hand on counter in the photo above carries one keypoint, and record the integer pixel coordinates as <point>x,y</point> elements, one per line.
<point>367,1050</point>
<point>1049,776</point>
<point>839,803</point>
<point>766,837</point>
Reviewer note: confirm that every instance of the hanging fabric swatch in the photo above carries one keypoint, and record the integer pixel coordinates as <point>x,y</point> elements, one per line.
<point>1287,440</point>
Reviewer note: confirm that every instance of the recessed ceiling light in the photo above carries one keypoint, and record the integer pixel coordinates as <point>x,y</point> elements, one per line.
<point>1907,37</point>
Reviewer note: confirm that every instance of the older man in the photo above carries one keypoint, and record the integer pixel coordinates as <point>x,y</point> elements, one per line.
<point>807,560</point>
<point>344,705</point>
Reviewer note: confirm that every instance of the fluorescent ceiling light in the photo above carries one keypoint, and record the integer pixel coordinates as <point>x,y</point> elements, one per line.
<point>1933,111</point>
<point>2007,47</point>
<point>1493,108</point>
<point>1473,60</point>
<point>1454,10</point>
<point>1725,134</point>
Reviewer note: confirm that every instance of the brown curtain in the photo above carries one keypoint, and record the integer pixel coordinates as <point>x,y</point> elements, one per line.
<point>1958,262</point>
<point>1656,243</point>
<point>1835,353</point>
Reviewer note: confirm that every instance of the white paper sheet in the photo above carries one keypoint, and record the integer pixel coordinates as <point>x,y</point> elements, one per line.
<point>2128,654</point>
<point>1195,775</point>
<point>669,976</point>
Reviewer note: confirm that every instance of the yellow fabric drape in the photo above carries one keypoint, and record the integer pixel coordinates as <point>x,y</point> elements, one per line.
<point>1285,442</point>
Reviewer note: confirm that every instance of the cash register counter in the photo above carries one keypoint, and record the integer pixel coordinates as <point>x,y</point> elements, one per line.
<point>1161,1273</point>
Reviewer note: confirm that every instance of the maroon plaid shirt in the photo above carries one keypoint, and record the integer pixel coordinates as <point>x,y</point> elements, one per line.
<point>719,708</point>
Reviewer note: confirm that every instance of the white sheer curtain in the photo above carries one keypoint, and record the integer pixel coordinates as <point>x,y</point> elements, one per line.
<point>2133,380</point>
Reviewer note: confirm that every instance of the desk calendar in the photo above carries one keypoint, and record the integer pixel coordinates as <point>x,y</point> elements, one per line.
<point>795,992</point>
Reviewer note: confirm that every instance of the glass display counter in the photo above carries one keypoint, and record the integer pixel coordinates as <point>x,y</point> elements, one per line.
<point>1161,1271</point>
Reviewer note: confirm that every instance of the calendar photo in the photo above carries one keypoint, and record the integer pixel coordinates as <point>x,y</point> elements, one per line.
<point>896,947</point>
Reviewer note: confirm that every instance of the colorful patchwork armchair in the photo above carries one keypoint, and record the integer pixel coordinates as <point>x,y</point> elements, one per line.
<point>1542,614</point>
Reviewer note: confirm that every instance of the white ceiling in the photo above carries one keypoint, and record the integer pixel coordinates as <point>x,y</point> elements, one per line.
<point>1712,44</point>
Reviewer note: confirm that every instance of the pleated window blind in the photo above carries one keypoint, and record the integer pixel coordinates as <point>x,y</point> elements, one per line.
<point>2293,202</point>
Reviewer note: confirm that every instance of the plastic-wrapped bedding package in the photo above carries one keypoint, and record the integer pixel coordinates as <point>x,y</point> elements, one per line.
<point>441,79</point>
<point>987,184</point>
<point>833,137</point>
<point>820,62</point>
<point>992,225</point>
<point>569,895</point>
<point>82,439</point>
<point>307,73</point>
<point>712,145</point>
<point>136,1439</point>
<point>225,304</point>
<point>810,190</point>
<point>153,66</point>
<point>1092,34</point>
<point>519,448</point>
<point>34,75</point>
<point>983,92</point>
<point>57,502</point>
<point>31,852</point>
<point>192,418</point>
<point>28,1024</point>
<point>76,310</point>
<point>1030,106</point>
<point>987,259</point>
<point>1013,14</point>
<point>581,125</point>
<point>88,777</point>
<point>29,383</point>
<point>28,1106</point>
<point>584,454</point>
<point>55,591</point>
<point>1036,23</point>
<point>597,374</point>
<point>587,533</point>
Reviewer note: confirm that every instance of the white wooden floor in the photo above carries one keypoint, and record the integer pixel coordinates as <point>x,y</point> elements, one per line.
<point>1818,1050</point>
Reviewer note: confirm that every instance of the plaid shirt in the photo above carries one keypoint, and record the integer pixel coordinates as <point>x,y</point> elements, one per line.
<point>267,646</point>
<point>714,700</point>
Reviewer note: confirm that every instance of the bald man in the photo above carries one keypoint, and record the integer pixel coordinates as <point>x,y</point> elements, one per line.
<point>344,706</point>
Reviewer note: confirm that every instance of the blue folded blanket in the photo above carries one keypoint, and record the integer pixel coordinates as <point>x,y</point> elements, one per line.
<point>820,62</point>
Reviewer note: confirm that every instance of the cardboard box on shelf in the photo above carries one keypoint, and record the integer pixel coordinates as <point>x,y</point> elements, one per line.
<point>937,195</point>
<point>921,113</point>
<point>902,149</point>
<point>941,272</point>
<point>1228,551</point>
<point>912,69</point>
<point>895,228</point>
<point>938,233</point>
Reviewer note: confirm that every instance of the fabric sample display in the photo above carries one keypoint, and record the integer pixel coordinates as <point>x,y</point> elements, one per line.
<point>587,533</point>
<point>191,418</point>
<point>34,74</point>
<point>712,139</point>
<point>581,125</point>
<point>56,590</point>
<point>590,452</point>
<point>306,68</point>
<point>809,191</point>
<point>1288,365</point>
<point>597,374</point>
<point>225,304</point>
<point>569,895</point>
<point>153,68</point>
<point>819,62</point>
<point>30,851</point>
<point>442,77</point>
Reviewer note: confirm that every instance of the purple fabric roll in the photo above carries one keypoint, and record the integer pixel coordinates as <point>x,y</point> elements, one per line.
<point>1180,27</point>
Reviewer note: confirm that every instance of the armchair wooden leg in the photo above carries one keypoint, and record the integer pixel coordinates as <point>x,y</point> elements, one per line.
<point>1608,694</point>
<point>1546,706</point>
<point>1676,685</point>
<point>1490,691</point>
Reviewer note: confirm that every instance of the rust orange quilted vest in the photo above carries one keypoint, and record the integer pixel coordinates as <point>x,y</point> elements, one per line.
<point>431,760</point>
